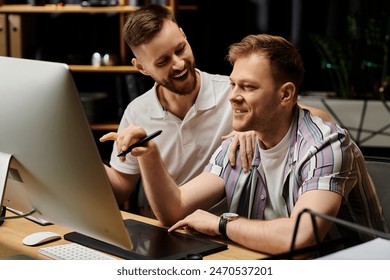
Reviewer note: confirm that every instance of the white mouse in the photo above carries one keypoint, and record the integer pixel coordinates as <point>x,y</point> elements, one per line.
<point>40,237</point>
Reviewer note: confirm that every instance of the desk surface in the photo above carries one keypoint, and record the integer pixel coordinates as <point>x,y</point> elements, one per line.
<point>13,231</point>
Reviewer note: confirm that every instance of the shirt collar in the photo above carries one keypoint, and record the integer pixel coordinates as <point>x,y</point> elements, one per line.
<point>207,96</point>
<point>156,110</point>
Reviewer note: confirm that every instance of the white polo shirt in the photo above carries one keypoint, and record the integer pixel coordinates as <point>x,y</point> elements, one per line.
<point>185,145</point>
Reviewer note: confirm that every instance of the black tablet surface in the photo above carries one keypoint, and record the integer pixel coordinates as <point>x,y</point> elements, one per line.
<point>152,242</point>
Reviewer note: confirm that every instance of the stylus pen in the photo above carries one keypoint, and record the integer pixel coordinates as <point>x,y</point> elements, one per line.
<point>140,143</point>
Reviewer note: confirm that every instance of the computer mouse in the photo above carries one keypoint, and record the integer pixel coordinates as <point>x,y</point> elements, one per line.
<point>194,257</point>
<point>40,237</point>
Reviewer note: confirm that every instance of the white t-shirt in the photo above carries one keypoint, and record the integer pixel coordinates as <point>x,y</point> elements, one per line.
<point>273,162</point>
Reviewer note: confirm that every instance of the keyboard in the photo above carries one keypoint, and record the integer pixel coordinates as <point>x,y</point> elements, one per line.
<point>73,251</point>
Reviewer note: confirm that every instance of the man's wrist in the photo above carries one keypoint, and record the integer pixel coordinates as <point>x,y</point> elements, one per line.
<point>225,218</point>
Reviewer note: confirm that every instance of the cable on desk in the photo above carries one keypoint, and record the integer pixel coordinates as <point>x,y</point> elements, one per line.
<point>3,209</point>
<point>18,216</point>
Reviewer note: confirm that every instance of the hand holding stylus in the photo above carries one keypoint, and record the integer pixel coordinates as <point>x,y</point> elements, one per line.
<point>141,142</point>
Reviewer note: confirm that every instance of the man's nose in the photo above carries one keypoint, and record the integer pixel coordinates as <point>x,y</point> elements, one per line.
<point>234,94</point>
<point>178,63</point>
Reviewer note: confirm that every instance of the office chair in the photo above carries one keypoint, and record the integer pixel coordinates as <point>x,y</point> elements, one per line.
<point>379,170</point>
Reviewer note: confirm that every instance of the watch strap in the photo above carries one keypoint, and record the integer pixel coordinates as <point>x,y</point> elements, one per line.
<point>222,227</point>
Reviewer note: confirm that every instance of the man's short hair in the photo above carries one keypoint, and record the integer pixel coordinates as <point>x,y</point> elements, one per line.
<point>143,24</point>
<point>285,61</point>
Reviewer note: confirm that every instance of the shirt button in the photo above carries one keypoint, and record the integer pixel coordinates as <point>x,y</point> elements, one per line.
<point>262,197</point>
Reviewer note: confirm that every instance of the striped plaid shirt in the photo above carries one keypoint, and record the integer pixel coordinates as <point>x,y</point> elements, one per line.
<point>322,156</point>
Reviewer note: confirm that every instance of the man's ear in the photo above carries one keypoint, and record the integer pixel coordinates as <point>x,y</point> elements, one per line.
<point>137,64</point>
<point>288,92</point>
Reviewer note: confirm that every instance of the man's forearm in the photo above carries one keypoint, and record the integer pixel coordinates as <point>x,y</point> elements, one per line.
<point>122,185</point>
<point>162,192</point>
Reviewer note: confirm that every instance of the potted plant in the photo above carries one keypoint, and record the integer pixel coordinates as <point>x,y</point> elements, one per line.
<point>358,65</point>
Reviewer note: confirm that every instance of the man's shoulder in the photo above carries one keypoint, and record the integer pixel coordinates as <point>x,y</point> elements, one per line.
<point>315,131</point>
<point>144,98</point>
<point>215,77</point>
<point>216,84</point>
<point>316,123</point>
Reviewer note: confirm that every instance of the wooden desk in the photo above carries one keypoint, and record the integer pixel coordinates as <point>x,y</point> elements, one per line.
<point>13,231</point>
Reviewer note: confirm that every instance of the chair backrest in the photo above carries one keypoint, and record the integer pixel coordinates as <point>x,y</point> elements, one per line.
<point>379,169</point>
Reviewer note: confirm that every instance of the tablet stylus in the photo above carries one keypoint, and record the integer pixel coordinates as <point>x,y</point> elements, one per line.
<point>140,143</point>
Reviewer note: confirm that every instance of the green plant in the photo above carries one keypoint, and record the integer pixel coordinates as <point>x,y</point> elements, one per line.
<point>358,65</point>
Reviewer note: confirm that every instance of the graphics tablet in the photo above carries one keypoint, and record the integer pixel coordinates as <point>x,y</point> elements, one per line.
<point>152,242</point>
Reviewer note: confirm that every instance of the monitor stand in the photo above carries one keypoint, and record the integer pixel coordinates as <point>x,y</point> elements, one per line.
<point>5,160</point>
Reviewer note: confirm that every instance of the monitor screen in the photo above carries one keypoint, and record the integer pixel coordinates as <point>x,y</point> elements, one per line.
<point>55,167</point>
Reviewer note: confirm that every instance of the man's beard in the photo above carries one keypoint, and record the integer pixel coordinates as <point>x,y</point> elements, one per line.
<point>188,88</point>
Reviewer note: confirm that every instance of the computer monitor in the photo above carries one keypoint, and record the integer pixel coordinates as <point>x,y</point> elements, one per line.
<point>54,164</point>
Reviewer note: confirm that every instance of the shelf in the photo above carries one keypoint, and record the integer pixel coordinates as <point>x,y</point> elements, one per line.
<point>73,8</point>
<point>105,127</point>
<point>103,69</point>
<point>70,8</point>
<point>187,7</point>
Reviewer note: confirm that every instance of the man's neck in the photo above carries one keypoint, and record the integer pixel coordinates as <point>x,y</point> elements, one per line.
<point>272,137</point>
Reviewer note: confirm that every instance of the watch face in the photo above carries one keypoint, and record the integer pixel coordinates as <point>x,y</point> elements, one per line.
<point>229,215</point>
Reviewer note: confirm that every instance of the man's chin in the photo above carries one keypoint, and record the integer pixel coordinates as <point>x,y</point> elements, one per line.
<point>239,128</point>
<point>185,87</point>
<point>242,126</point>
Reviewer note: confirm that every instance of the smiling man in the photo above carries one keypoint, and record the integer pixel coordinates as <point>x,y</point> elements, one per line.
<point>300,161</point>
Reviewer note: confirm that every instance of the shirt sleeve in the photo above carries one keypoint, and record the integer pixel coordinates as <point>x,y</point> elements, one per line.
<point>330,165</point>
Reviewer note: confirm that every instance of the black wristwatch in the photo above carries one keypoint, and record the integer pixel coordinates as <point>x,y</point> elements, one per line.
<point>225,218</point>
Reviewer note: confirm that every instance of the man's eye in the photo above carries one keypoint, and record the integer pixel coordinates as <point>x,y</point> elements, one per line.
<point>162,62</point>
<point>248,87</point>
<point>181,49</point>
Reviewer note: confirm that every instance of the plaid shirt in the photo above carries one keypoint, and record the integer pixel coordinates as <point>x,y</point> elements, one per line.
<point>322,156</point>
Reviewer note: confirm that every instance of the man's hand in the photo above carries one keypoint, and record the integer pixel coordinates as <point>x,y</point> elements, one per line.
<point>247,143</point>
<point>200,221</point>
<point>125,138</point>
